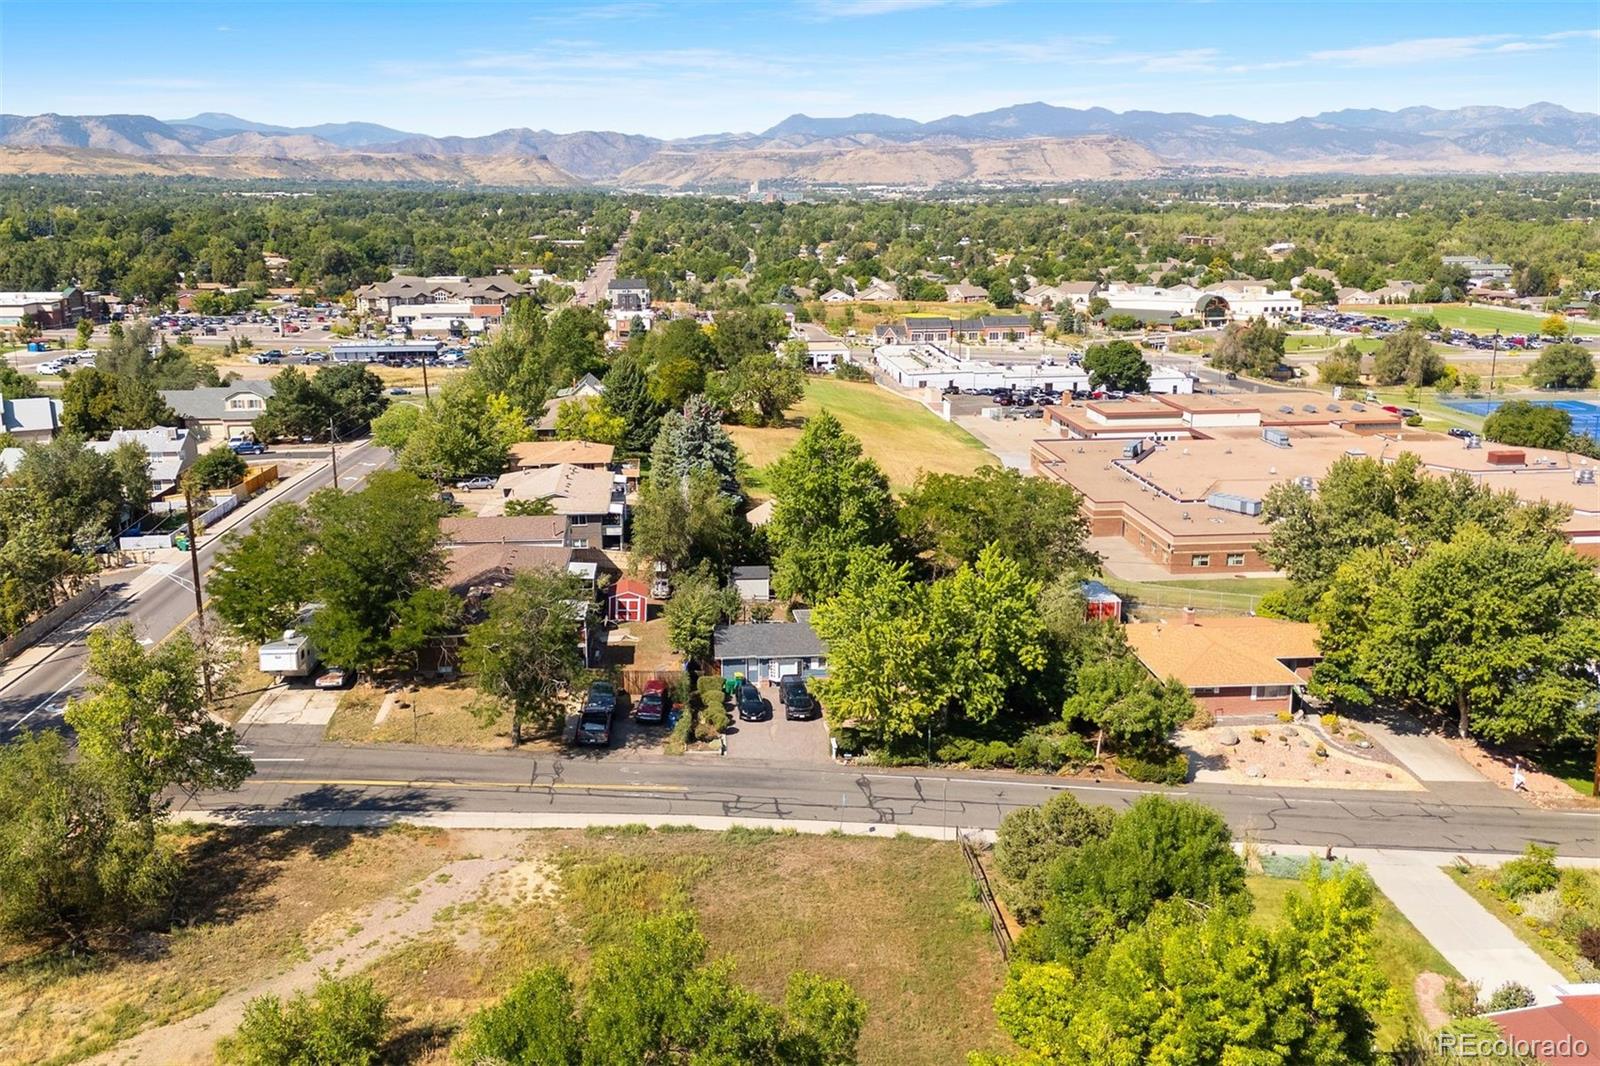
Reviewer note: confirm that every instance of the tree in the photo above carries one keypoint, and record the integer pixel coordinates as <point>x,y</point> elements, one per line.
<point>143,722</point>
<point>746,332</point>
<point>1499,630</point>
<point>261,581</point>
<point>71,862</point>
<point>94,402</point>
<point>700,602</point>
<point>217,469</point>
<point>1555,326</point>
<point>1563,366</point>
<point>653,997</point>
<point>1407,356</point>
<point>373,567</point>
<point>343,1020</point>
<point>590,419</point>
<point>1118,365</point>
<point>1256,348</point>
<point>628,394</point>
<point>462,433</point>
<point>761,386</point>
<point>1528,425</point>
<point>830,499</point>
<point>1342,366</point>
<point>1210,985</point>
<point>686,520</point>
<point>987,632</point>
<point>1128,707</point>
<point>1157,850</point>
<point>14,384</point>
<point>953,517</point>
<point>679,353</point>
<point>394,427</point>
<point>691,441</point>
<point>353,394</point>
<point>1031,839</point>
<point>295,409</point>
<point>85,329</point>
<point>529,508</point>
<point>527,652</point>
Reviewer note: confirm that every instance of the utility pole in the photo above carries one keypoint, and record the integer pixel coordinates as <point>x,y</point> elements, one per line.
<point>333,453</point>
<point>426,397</point>
<point>1494,358</point>
<point>199,600</point>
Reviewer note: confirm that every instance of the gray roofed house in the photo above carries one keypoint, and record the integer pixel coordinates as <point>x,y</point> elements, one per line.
<point>220,412</point>
<point>34,419</point>
<point>628,294</point>
<point>753,582</point>
<point>588,385</point>
<point>769,651</point>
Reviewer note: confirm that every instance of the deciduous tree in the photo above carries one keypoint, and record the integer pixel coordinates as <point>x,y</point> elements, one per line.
<point>261,582</point>
<point>527,652</point>
<point>1117,365</point>
<point>954,517</point>
<point>1563,366</point>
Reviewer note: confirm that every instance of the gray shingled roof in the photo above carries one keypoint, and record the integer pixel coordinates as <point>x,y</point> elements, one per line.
<point>209,403</point>
<point>767,640</point>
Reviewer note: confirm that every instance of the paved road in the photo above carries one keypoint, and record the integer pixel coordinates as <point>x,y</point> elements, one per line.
<point>296,771</point>
<point>156,609</point>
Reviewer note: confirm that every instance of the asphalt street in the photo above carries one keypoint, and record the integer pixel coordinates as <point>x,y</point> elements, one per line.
<point>38,697</point>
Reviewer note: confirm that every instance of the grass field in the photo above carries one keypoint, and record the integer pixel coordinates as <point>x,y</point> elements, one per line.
<point>901,436</point>
<point>1401,951</point>
<point>1305,343</point>
<point>1476,319</point>
<point>894,916</point>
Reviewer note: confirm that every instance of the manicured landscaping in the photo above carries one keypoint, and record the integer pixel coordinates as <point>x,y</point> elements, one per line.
<point>900,435</point>
<point>1477,319</point>
<point>1546,921</point>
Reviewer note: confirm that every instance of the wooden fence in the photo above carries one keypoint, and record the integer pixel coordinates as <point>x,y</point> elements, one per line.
<point>997,918</point>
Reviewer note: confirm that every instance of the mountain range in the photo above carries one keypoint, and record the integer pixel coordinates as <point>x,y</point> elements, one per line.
<point>1029,143</point>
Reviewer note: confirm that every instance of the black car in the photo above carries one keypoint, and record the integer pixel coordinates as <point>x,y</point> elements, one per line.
<point>594,726</point>
<point>1459,433</point>
<point>752,708</point>
<point>798,703</point>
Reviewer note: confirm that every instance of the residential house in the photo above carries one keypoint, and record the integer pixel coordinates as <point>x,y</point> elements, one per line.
<point>171,452</point>
<point>965,294</point>
<point>824,351</point>
<point>475,572</point>
<point>586,386</point>
<point>1355,297</point>
<point>222,413</point>
<point>1199,240</point>
<point>1396,291</point>
<point>592,501</point>
<point>836,296</point>
<point>769,651</point>
<point>31,420</point>
<point>546,531</point>
<point>878,290</point>
<point>538,454</point>
<point>754,583</point>
<point>1232,666</point>
<point>1061,296</point>
<point>628,294</point>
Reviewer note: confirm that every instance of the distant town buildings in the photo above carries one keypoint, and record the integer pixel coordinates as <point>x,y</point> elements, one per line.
<point>382,297</point>
<point>937,329</point>
<point>1230,301</point>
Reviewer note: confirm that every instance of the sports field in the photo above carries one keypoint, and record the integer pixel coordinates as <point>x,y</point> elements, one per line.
<point>1477,319</point>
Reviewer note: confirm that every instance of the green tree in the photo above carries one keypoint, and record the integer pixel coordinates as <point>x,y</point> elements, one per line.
<point>353,394</point>
<point>628,394</point>
<point>460,434</point>
<point>1528,425</point>
<point>511,364</point>
<point>1256,348</point>
<point>344,1020</point>
<point>1342,366</point>
<point>694,440</point>
<point>686,520</point>
<point>14,384</point>
<point>739,334</point>
<point>1407,357</point>
<point>217,469</point>
<point>590,419</point>
<point>144,723</point>
<point>1563,366</point>
<point>987,632</point>
<point>1030,840</point>
<point>394,427</point>
<point>953,517</point>
<point>94,402</point>
<point>1126,705</point>
<point>295,409</point>
<point>261,581</point>
<point>763,385</point>
<point>85,330</point>
<point>1117,365</point>
<point>1208,985</point>
<point>1499,630</point>
<point>373,568</point>
<point>527,652</point>
<point>700,602</point>
<point>679,354</point>
<point>1159,849</point>
<point>830,499</point>
<point>653,997</point>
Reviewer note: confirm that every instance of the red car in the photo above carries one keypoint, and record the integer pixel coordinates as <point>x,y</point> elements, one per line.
<point>653,703</point>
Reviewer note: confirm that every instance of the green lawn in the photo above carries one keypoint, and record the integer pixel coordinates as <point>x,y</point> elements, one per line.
<point>900,435</point>
<point>1229,595</point>
<point>1401,952</point>
<point>1305,342</point>
<point>1477,319</point>
<point>1573,762</point>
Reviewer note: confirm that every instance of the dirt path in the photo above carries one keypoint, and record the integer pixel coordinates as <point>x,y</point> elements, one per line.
<point>382,927</point>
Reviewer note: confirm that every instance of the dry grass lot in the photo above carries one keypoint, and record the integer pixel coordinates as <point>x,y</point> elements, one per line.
<point>901,436</point>
<point>893,916</point>
<point>438,714</point>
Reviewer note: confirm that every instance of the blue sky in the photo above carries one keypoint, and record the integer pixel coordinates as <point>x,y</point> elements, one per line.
<point>674,69</point>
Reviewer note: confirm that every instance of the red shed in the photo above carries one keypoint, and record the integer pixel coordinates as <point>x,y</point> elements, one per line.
<point>629,601</point>
<point>1100,602</point>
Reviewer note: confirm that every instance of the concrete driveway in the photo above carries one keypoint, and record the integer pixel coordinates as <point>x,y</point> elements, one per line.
<point>778,740</point>
<point>293,706</point>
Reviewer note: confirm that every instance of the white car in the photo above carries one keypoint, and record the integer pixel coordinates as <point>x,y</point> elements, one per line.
<point>51,367</point>
<point>297,351</point>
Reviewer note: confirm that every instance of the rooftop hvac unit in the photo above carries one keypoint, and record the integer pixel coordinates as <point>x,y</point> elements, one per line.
<point>1227,501</point>
<point>1579,477</point>
<point>1358,407</point>
<point>1310,408</point>
<point>1305,481</point>
<point>1133,449</point>
<point>1355,453</point>
<point>1286,408</point>
<point>1275,437</point>
<point>1334,408</point>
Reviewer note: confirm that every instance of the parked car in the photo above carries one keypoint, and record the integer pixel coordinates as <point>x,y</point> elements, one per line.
<point>399,390</point>
<point>297,351</point>
<point>1459,433</point>
<point>798,702</point>
<point>247,447</point>
<point>653,703</point>
<point>601,694</point>
<point>594,726</point>
<point>752,708</point>
<point>335,678</point>
<point>482,481</point>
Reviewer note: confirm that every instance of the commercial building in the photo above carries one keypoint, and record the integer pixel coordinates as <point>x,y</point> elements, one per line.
<point>384,297</point>
<point>47,310</point>
<point>1232,301</point>
<point>1187,493</point>
<point>1062,295</point>
<point>938,329</point>
<point>384,351</point>
<point>824,351</point>
<point>925,366</point>
<point>1232,666</point>
<point>220,413</point>
<point>628,294</point>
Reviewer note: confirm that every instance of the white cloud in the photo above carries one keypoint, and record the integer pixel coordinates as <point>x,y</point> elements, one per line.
<point>1423,50</point>
<point>836,9</point>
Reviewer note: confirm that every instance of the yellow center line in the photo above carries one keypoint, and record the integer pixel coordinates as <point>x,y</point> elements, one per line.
<point>365,783</point>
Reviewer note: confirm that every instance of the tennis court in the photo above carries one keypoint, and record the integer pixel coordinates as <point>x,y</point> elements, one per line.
<point>1585,414</point>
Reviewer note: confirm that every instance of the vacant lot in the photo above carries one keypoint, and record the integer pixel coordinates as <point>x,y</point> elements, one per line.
<point>440,714</point>
<point>895,917</point>
<point>900,435</point>
<point>1478,319</point>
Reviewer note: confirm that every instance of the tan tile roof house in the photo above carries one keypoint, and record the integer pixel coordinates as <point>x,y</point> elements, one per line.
<point>1236,666</point>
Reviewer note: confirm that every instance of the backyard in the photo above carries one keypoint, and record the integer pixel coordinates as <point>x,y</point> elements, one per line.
<point>901,436</point>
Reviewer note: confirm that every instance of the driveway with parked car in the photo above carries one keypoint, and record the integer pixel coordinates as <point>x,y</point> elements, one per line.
<point>776,737</point>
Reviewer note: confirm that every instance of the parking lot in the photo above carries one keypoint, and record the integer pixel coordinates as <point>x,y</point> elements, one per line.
<point>1355,323</point>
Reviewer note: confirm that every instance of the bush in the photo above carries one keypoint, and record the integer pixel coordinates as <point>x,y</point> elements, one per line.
<point>1285,716</point>
<point>713,721</point>
<point>1461,999</point>
<point>1160,766</point>
<point>1534,871</point>
<point>1051,749</point>
<point>343,1020</point>
<point>1031,839</point>
<point>1201,719</point>
<point>851,372</point>
<point>1509,996</point>
<point>1414,420</point>
<point>682,732</point>
<point>1589,944</point>
<point>1330,722</point>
